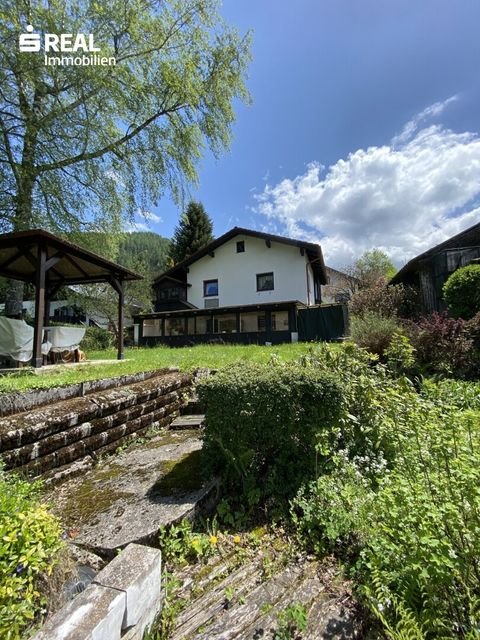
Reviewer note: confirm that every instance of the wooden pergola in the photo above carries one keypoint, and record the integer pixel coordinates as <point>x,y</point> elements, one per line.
<point>49,263</point>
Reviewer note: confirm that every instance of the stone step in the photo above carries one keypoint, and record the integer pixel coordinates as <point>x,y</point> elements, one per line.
<point>193,407</point>
<point>195,421</point>
<point>256,604</point>
<point>130,496</point>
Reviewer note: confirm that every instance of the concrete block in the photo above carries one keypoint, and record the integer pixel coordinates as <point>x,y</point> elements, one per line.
<point>95,614</point>
<point>137,573</point>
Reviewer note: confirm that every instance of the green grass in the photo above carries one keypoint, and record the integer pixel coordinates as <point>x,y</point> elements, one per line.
<point>148,359</point>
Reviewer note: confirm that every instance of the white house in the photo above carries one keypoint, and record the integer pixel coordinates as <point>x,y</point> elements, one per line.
<point>246,286</point>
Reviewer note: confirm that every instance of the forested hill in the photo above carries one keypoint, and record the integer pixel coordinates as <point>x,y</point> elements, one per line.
<point>147,245</point>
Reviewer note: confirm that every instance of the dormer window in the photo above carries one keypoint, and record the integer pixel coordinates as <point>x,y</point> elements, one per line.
<point>241,246</point>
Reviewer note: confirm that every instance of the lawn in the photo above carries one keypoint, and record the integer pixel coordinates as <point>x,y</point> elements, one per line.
<point>148,359</point>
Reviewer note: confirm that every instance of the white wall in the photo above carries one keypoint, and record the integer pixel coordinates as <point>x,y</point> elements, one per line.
<point>236,273</point>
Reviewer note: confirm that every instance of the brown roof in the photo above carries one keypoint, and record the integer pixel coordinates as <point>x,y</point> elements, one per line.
<point>313,251</point>
<point>71,264</point>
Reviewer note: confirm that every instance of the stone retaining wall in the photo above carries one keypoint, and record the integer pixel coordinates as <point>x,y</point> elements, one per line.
<point>19,401</point>
<point>50,437</point>
<point>121,602</point>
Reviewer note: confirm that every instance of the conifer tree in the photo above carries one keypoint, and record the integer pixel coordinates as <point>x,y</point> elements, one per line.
<point>193,232</point>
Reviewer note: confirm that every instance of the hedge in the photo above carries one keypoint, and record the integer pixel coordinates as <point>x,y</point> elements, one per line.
<point>263,423</point>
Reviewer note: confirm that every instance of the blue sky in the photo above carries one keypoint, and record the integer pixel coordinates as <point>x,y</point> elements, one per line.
<point>363,131</point>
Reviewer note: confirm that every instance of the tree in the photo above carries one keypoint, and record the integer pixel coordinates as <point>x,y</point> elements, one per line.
<point>151,246</point>
<point>371,266</point>
<point>81,147</point>
<point>193,232</point>
<point>462,292</point>
<point>145,253</point>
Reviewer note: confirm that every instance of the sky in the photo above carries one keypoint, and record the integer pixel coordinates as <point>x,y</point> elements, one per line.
<point>364,127</point>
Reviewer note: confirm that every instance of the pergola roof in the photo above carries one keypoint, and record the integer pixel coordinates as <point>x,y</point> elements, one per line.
<point>48,262</point>
<point>67,262</point>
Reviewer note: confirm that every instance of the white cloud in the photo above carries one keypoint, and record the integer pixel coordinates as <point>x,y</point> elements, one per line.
<point>412,125</point>
<point>401,199</point>
<point>150,216</point>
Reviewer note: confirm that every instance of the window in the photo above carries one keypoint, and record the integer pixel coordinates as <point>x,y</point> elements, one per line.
<point>174,326</point>
<point>226,324</point>
<point>280,321</point>
<point>210,288</point>
<point>241,246</point>
<point>265,281</point>
<point>252,321</point>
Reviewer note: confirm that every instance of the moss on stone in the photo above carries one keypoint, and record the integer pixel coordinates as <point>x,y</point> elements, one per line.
<point>181,476</point>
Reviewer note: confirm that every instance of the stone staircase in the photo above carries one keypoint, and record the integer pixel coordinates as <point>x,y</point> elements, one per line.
<point>78,429</point>
<point>244,604</point>
<point>192,415</point>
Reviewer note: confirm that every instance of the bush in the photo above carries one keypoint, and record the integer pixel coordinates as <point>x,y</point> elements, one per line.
<point>373,332</point>
<point>263,424</point>
<point>442,345</point>
<point>29,545</point>
<point>385,300</point>
<point>419,567</point>
<point>97,339</point>
<point>399,355</point>
<point>400,500</point>
<point>462,292</point>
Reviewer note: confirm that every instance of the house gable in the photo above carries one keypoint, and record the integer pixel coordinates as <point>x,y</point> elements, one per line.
<point>238,273</point>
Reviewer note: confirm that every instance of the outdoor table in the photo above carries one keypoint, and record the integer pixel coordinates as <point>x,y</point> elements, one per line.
<point>64,339</point>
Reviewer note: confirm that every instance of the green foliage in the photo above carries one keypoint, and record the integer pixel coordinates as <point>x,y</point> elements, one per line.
<point>292,622</point>
<point>96,338</point>
<point>372,266</point>
<point>400,500</point>
<point>123,134</point>
<point>399,355</point>
<point>423,535</point>
<point>373,331</point>
<point>263,423</point>
<point>326,512</point>
<point>453,393</point>
<point>193,232</point>
<point>29,545</point>
<point>180,544</point>
<point>462,292</point>
<point>151,246</point>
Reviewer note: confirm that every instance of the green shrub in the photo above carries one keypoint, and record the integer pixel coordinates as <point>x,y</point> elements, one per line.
<point>29,545</point>
<point>97,339</point>
<point>453,393</point>
<point>399,355</point>
<point>263,423</point>
<point>462,291</point>
<point>328,513</point>
<point>373,331</point>
<point>419,568</point>
<point>400,500</point>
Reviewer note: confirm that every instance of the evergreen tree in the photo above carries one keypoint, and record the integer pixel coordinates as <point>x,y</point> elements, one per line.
<point>193,232</point>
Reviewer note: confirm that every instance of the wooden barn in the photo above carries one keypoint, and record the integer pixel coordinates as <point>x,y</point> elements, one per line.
<point>429,271</point>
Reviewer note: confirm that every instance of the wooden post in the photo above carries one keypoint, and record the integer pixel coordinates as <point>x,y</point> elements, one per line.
<point>117,284</point>
<point>37,359</point>
<point>121,321</point>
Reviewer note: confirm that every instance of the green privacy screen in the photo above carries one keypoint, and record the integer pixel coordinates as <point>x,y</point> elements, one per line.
<point>322,323</point>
